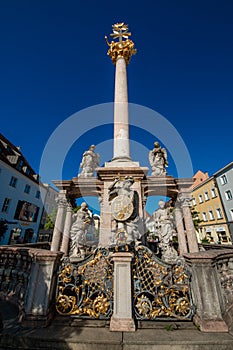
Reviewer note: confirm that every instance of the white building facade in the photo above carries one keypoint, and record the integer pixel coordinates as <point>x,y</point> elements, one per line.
<point>22,197</point>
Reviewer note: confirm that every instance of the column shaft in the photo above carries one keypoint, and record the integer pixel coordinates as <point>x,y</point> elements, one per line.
<point>58,227</point>
<point>121,115</point>
<point>190,230</point>
<point>180,231</point>
<point>66,233</point>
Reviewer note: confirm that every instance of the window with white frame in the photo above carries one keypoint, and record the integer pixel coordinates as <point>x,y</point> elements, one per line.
<point>204,216</point>
<point>13,181</point>
<point>6,205</point>
<point>27,189</point>
<point>200,198</point>
<point>219,213</point>
<point>194,201</point>
<point>228,195</point>
<point>223,179</point>
<point>213,193</point>
<point>206,194</point>
<point>211,214</point>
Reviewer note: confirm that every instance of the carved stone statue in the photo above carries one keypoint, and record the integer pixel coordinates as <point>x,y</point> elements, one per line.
<point>164,229</point>
<point>124,208</point>
<point>158,160</point>
<point>81,222</point>
<point>90,162</point>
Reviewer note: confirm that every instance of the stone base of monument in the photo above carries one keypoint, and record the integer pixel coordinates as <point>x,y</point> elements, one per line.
<point>210,325</point>
<point>122,325</point>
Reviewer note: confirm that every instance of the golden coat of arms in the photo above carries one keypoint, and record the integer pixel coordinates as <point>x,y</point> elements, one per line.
<point>122,208</point>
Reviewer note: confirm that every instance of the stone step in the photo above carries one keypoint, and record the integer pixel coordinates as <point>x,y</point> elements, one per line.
<point>101,338</point>
<point>66,333</point>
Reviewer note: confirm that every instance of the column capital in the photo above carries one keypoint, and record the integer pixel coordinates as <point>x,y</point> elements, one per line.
<point>184,200</point>
<point>61,201</point>
<point>69,207</point>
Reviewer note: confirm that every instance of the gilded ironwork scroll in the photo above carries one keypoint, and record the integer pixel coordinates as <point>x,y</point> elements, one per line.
<point>85,289</point>
<point>161,290</point>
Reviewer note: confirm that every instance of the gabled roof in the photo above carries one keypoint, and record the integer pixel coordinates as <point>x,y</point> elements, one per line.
<point>12,155</point>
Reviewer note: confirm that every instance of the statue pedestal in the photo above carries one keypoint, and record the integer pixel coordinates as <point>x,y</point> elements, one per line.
<point>122,320</point>
<point>106,176</point>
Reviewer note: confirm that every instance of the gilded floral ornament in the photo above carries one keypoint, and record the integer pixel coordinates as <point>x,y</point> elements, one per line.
<point>122,48</point>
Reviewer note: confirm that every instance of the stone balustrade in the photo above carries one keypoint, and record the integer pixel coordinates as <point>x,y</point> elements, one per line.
<point>28,279</point>
<point>212,289</point>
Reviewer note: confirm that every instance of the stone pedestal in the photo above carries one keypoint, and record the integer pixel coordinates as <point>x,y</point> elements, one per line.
<point>107,176</point>
<point>122,320</point>
<point>41,286</point>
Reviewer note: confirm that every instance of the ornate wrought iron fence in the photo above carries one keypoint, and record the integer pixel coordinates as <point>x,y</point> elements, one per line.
<point>85,289</point>
<point>161,290</point>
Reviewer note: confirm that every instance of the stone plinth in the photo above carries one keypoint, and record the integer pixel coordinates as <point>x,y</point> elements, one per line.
<point>122,320</point>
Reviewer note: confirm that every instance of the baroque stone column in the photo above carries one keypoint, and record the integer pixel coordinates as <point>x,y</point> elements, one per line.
<point>67,226</point>
<point>188,221</point>
<point>59,223</point>
<point>120,53</point>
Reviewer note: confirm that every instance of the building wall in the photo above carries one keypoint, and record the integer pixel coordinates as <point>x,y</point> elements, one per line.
<point>24,211</point>
<point>50,203</point>
<point>207,202</point>
<point>224,179</point>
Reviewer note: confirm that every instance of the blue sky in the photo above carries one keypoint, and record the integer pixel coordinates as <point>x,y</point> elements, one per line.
<point>53,64</point>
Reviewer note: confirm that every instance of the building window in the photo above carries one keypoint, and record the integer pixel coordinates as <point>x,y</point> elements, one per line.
<point>206,196</point>
<point>6,205</point>
<point>193,200</point>
<point>20,165</point>
<point>228,195</point>
<point>27,189</point>
<point>15,236</point>
<point>223,179</point>
<point>204,216</point>
<point>211,215</point>
<point>231,212</point>
<point>219,213</point>
<point>200,198</point>
<point>38,194</point>
<point>13,181</point>
<point>213,193</point>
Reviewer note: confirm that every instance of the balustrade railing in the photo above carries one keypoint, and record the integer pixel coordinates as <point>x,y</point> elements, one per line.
<point>28,279</point>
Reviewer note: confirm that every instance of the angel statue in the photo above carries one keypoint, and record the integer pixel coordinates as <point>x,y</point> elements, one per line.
<point>158,160</point>
<point>90,162</point>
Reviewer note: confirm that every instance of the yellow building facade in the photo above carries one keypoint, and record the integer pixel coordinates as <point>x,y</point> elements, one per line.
<point>207,203</point>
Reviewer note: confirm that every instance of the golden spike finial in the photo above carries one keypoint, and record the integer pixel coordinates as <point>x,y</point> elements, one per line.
<point>122,48</point>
